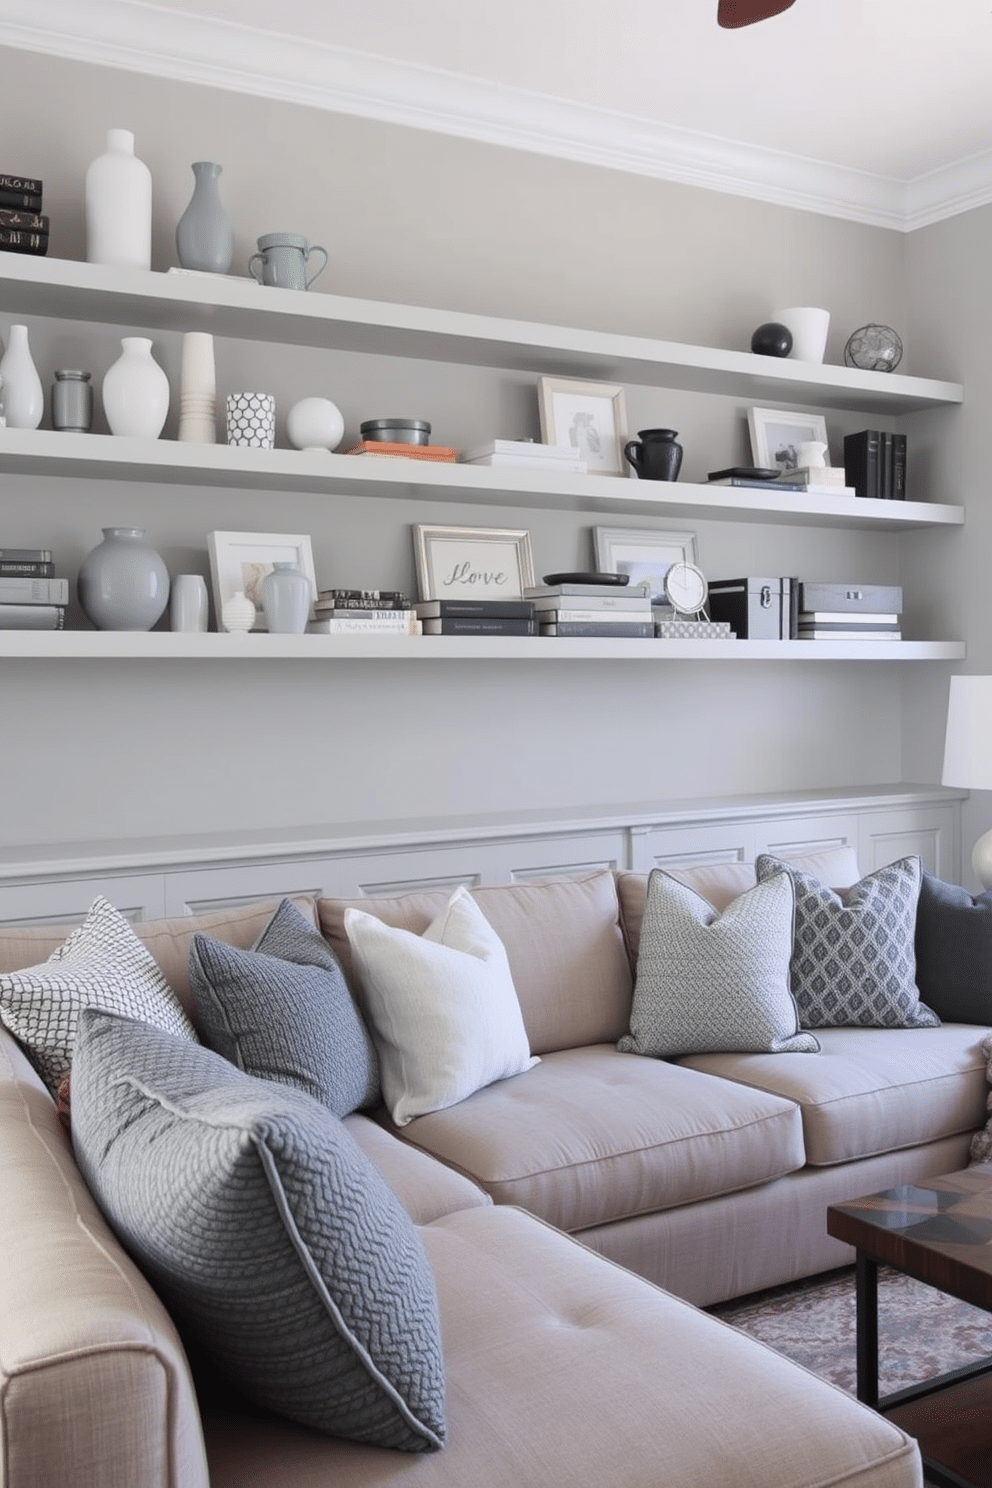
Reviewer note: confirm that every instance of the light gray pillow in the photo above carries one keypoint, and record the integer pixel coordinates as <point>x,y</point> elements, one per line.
<point>268,1232</point>
<point>715,983</point>
<point>854,956</point>
<point>283,1011</point>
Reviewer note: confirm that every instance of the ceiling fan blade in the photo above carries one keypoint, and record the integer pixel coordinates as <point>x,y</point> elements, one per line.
<point>734,13</point>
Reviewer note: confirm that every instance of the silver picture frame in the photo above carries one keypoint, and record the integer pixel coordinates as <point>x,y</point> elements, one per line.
<point>589,417</point>
<point>472,562</point>
<point>776,436</point>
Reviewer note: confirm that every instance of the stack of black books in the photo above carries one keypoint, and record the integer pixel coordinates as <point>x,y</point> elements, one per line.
<point>477,617</point>
<point>875,464</point>
<point>363,612</point>
<point>31,597</point>
<point>23,225</point>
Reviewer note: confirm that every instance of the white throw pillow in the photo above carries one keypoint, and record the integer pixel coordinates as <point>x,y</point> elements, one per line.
<point>102,964</point>
<point>442,1007</point>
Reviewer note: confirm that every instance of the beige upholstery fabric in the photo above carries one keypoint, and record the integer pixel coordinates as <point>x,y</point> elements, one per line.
<point>563,941</point>
<point>564,1370</point>
<point>591,1135</point>
<point>871,1089</point>
<point>722,882</point>
<point>426,1188</point>
<point>94,1388</point>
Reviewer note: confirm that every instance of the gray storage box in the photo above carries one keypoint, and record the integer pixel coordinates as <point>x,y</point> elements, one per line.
<point>851,598</point>
<point>757,609</point>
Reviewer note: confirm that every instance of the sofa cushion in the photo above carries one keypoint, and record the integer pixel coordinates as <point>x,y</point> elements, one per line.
<point>871,1090</point>
<point>283,1011</point>
<point>954,951</point>
<point>442,1006</point>
<point>592,1135</point>
<point>707,980</point>
<point>101,964</point>
<point>425,1187</point>
<point>563,942</point>
<point>854,962</point>
<point>721,883</point>
<point>267,1231</point>
<point>567,1370</point>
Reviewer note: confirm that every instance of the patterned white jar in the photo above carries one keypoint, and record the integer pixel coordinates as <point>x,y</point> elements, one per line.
<point>251,419</point>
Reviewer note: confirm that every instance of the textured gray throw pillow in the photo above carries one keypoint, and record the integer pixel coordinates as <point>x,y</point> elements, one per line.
<point>268,1232</point>
<point>283,1011</point>
<point>715,983</point>
<point>854,959</point>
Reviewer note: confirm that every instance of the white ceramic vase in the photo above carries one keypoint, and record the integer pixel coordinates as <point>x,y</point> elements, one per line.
<point>237,612</point>
<point>198,389</point>
<point>811,454</point>
<point>123,583</point>
<point>188,605</point>
<point>23,394</point>
<point>809,327</point>
<point>136,391</point>
<point>118,206</point>
<point>315,423</point>
<point>286,599</point>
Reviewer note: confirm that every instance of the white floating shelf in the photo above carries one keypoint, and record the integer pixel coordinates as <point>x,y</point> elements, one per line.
<point>104,457</point>
<point>239,308</point>
<point>166,646</point>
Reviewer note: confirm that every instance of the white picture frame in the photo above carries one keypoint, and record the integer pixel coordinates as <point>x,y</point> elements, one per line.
<point>643,554</point>
<point>240,560</point>
<point>472,562</point>
<point>776,435</point>
<point>589,417</point>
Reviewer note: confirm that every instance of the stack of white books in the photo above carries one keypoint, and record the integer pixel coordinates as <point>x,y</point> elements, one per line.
<point>578,609</point>
<point>525,454</point>
<point>819,480</point>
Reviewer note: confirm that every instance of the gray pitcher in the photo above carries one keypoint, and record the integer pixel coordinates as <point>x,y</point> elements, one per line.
<point>284,259</point>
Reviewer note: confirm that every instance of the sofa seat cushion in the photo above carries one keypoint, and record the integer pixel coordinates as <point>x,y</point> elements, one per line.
<point>426,1188</point>
<point>592,1135</point>
<point>563,942</point>
<point>566,1369</point>
<point>871,1090</point>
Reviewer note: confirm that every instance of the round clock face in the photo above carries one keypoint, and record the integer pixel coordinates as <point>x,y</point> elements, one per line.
<point>685,588</point>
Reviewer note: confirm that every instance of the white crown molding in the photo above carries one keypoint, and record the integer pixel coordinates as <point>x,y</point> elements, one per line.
<point>154,39</point>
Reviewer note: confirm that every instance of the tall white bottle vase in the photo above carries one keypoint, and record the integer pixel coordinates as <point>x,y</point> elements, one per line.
<point>119,206</point>
<point>136,391</point>
<point>23,394</point>
<point>198,389</point>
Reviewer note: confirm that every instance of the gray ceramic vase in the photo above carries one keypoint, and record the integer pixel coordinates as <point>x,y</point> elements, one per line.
<point>204,235</point>
<point>286,599</point>
<point>123,583</point>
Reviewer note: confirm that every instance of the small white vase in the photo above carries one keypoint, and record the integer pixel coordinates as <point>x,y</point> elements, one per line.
<point>237,612</point>
<point>188,605</point>
<point>136,392</point>
<point>118,206</point>
<point>23,394</point>
<point>811,454</point>
<point>198,389</point>
<point>809,327</point>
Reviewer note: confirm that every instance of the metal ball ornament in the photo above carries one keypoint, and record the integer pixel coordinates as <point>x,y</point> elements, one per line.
<point>772,339</point>
<point>873,348</point>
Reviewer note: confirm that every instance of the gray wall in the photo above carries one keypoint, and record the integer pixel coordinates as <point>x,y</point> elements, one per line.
<point>110,750</point>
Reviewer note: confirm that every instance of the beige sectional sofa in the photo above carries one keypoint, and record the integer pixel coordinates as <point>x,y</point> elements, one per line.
<point>698,1178</point>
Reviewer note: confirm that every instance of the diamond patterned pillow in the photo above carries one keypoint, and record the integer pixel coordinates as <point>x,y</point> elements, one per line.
<point>854,959</point>
<point>102,964</point>
<point>715,983</point>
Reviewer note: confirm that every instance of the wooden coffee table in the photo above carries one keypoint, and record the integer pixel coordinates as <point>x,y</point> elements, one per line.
<point>940,1233</point>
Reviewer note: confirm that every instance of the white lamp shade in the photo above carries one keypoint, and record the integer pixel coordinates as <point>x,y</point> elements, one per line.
<point>968,744</point>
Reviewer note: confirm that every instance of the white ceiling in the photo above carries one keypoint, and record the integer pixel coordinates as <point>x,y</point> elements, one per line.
<point>877,110</point>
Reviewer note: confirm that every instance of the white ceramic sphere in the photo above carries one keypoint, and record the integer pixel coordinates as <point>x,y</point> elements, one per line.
<point>315,423</point>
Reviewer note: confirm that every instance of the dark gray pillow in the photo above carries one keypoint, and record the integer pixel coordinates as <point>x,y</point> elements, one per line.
<point>853,957</point>
<point>954,951</point>
<point>268,1232</point>
<point>283,1011</point>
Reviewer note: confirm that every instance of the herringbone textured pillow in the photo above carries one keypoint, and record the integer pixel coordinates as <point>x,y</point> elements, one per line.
<point>276,1244</point>
<point>715,983</point>
<point>102,964</point>
<point>854,958</point>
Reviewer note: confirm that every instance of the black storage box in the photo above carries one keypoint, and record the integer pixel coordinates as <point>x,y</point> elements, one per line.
<point>757,609</point>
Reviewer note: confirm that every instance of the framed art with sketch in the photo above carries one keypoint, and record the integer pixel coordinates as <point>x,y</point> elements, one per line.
<point>644,555</point>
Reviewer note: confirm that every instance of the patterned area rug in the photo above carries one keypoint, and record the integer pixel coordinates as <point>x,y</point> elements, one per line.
<point>921,1331</point>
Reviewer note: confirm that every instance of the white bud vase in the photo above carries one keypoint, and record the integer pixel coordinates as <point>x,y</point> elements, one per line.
<point>23,394</point>
<point>136,392</point>
<point>237,613</point>
<point>119,206</point>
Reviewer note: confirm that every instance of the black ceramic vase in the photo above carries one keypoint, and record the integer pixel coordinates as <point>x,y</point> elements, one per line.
<point>655,454</point>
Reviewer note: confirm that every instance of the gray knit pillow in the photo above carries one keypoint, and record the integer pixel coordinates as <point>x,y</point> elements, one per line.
<point>271,1237</point>
<point>710,982</point>
<point>854,959</point>
<point>283,1011</point>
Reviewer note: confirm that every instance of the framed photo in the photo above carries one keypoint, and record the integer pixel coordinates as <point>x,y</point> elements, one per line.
<point>645,555</point>
<point>776,437</point>
<point>589,417</point>
<point>240,560</point>
<point>472,562</point>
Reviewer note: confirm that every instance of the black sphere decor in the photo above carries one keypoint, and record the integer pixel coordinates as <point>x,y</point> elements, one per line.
<point>772,339</point>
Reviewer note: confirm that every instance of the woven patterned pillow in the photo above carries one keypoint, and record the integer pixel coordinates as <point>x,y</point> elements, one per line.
<point>854,958</point>
<point>279,1249</point>
<point>102,964</point>
<point>715,983</point>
